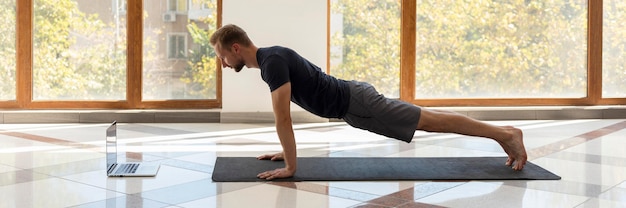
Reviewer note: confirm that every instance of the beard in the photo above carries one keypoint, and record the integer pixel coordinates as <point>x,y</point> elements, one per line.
<point>238,67</point>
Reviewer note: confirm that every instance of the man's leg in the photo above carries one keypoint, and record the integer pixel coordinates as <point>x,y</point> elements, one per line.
<point>510,138</point>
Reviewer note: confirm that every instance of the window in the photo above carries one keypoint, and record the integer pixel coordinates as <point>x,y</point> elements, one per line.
<point>84,54</point>
<point>7,51</point>
<point>177,6</point>
<point>493,53</point>
<point>177,46</point>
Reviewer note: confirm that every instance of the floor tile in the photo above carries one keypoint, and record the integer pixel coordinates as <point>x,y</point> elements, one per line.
<point>270,196</point>
<point>584,172</point>
<point>595,203</point>
<point>477,194</point>
<point>124,201</point>
<point>52,192</point>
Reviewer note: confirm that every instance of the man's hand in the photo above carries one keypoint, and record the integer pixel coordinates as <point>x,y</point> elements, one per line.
<point>274,174</point>
<point>275,157</point>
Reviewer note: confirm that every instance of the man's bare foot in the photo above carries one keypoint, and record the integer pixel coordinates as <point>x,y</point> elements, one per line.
<point>514,148</point>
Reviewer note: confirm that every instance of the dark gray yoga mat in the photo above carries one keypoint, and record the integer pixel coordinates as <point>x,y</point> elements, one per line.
<point>245,169</point>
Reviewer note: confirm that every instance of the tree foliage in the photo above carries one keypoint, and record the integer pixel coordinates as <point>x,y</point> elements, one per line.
<point>478,48</point>
<point>7,51</point>
<point>76,56</point>
<point>200,74</point>
<point>465,48</point>
<point>614,49</point>
<point>370,42</point>
<point>501,48</point>
<point>193,77</point>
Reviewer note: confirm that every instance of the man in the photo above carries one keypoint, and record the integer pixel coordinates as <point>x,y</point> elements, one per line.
<point>291,77</point>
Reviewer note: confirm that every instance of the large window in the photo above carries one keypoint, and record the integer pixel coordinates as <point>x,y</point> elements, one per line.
<point>108,54</point>
<point>7,50</point>
<point>486,53</point>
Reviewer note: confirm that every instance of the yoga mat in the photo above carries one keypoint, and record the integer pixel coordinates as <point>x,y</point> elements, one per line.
<point>245,169</point>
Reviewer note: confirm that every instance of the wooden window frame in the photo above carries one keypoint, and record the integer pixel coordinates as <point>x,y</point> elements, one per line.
<point>408,56</point>
<point>24,67</point>
<point>24,56</point>
<point>594,68</point>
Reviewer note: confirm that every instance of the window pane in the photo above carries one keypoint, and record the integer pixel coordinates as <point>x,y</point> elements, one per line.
<point>176,63</point>
<point>180,46</point>
<point>171,5</point>
<point>172,47</point>
<point>7,50</point>
<point>614,49</point>
<point>501,49</point>
<point>79,50</point>
<point>365,43</point>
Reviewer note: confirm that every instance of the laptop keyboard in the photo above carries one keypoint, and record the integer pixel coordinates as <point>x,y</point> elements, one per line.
<point>127,168</point>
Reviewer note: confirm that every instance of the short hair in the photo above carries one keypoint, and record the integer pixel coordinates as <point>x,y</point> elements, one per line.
<point>228,35</point>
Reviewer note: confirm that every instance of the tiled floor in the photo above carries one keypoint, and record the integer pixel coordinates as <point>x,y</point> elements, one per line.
<point>63,165</point>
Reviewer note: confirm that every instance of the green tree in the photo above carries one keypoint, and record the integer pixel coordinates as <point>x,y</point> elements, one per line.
<point>501,49</point>
<point>200,75</point>
<point>468,48</point>
<point>370,42</point>
<point>77,56</point>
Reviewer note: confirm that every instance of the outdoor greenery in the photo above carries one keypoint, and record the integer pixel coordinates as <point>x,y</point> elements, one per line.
<point>501,48</point>
<point>192,77</point>
<point>76,56</point>
<point>82,56</point>
<point>7,50</point>
<point>201,74</point>
<point>465,49</point>
<point>369,42</point>
<point>614,49</point>
<point>479,49</point>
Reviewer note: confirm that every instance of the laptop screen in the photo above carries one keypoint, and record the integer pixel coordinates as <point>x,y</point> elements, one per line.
<point>111,148</point>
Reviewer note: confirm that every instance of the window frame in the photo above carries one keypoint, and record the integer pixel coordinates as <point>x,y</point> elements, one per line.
<point>119,6</point>
<point>594,67</point>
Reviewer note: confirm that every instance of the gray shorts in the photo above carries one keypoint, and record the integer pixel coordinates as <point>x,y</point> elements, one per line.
<point>374,112</point>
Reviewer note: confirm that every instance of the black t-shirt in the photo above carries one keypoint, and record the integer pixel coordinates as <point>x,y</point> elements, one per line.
<point>311,89</point>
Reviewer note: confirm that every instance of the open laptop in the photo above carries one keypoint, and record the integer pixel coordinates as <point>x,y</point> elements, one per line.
<point>124,169</point>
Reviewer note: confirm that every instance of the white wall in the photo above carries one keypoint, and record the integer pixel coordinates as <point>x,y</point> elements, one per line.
<point>296,24</point>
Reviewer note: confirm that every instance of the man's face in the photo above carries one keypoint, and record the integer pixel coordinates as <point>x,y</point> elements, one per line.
<point>230,57</point>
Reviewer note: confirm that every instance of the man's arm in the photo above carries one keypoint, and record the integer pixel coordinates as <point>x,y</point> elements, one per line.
<point>281,100</point>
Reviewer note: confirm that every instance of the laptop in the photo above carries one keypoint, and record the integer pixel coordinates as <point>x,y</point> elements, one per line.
<point>114,168</point>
